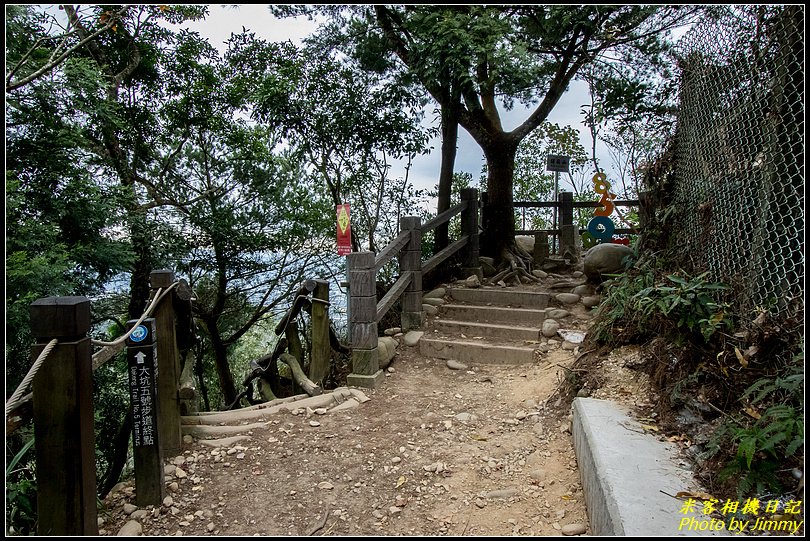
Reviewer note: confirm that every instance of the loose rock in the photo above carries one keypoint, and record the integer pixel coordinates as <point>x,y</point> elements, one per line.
<point>591,301</point>
<point>437,293</point>
<point>465,417</point>
<point>574,529</point>
<point>567,298</point>
<point>392,331</point>
<point>455,365</point>
<point>557,313</point>
<point>429,309</point>
<point>550,328</point>
<point>412,337</point>
<point>133,527</point>
<point>472,281</point>
<point>129,508</point>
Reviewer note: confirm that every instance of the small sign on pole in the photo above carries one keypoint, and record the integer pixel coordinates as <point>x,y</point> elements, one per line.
<point>143,373</point>
<point>344,230</point>
<point>558,163</point>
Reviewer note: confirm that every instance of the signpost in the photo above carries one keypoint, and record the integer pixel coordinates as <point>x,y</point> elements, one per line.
<point>559,164</point>
<point>143,373</point>
<point>344,230</point>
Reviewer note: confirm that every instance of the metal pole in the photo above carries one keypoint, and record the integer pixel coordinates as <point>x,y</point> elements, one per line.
<point>554,221</point>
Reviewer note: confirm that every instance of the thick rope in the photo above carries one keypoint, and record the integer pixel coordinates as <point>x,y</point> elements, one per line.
<point>158,297</point>
<point>14,400</point>
<point>11,403</point>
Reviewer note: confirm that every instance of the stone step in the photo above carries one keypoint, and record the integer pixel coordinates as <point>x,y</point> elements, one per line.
<point>500,296</point>
<point>493,330</point>
<point>493,314</point>
<point>475,352</point>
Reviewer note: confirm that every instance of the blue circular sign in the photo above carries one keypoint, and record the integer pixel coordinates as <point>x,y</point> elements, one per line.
<point>139,334</point>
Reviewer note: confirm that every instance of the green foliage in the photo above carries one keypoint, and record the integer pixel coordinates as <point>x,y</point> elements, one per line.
<point>21,493</point>
<point>640,305</point>
<point>763,446</point>
<point>618,319</point>
<point>689,302</point>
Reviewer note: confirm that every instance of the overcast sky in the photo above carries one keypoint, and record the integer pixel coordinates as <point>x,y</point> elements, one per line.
<point>223,20</point>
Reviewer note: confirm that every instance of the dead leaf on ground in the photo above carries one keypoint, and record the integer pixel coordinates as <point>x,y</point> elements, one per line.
<point>695,495</point>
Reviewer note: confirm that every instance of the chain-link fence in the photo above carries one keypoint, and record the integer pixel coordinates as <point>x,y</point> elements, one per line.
<point>739,171</point>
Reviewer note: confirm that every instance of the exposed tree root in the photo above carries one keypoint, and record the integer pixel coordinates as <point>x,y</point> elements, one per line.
<point>516,266</point>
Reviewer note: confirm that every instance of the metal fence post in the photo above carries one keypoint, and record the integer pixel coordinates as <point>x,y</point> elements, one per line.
<point>63,418</point>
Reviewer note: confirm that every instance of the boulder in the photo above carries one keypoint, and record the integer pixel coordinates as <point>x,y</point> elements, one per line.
<point>605,259</point>
<point>526,242</point>
<point>386,348</point>
<point>429,309</point>
<point>435,301</point>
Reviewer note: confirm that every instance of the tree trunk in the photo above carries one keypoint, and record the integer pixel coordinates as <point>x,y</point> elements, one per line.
<point>119,460</point>
<point>226,382</point>
<point>499,229</point>
<point>449,149</point>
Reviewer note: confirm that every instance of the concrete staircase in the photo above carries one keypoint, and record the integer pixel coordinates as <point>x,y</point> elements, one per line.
<point>488,325</point>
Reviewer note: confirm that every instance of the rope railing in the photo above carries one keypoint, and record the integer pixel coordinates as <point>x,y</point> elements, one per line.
<point>17,397</point>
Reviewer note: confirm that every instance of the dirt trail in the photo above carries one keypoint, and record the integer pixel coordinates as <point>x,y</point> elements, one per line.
<point>436,451</point>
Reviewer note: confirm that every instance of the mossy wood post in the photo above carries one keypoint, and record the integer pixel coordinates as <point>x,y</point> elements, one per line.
<point>63,418</point>
<point>410,260</point>
<point>321,349</point>
<point>569,236</point>
<point>470,263</point>
<point>143,383</point>
<point>363,320</point>
<point>184,333</point>
<point>168,367</point>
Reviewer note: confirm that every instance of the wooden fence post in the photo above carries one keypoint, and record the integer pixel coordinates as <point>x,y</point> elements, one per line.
<point>63,418</point>
<point>143,381</point>
<point>363,320</point>
<point>410,260</point>
<point>321,350</point>
<point>470,263</point>
<point>168,367</point>
<point>569,245</point>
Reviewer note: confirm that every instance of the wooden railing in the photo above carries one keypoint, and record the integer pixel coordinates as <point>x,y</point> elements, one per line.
<point>63,413</point>
<point>568,234</point>
<point>365,312</point>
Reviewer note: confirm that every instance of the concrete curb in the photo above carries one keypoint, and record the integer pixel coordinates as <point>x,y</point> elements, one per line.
<point>624,472</point>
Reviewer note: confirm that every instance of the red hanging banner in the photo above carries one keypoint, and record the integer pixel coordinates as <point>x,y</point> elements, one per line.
<point>344,230</point>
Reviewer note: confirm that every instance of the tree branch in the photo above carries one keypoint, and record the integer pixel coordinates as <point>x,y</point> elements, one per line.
<point>52,64</point>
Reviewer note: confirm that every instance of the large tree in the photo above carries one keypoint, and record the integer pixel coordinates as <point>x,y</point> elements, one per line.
<point>509,54</point>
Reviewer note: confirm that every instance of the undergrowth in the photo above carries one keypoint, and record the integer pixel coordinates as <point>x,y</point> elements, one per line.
<point>744,378</point>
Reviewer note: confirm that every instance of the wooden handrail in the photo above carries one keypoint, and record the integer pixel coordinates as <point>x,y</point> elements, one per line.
<point>624,231</point>
<point>575,204</point>
<point>445,216</point>
<point>393,248</point>
<point>393,294</point>
<point>431,263</point>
